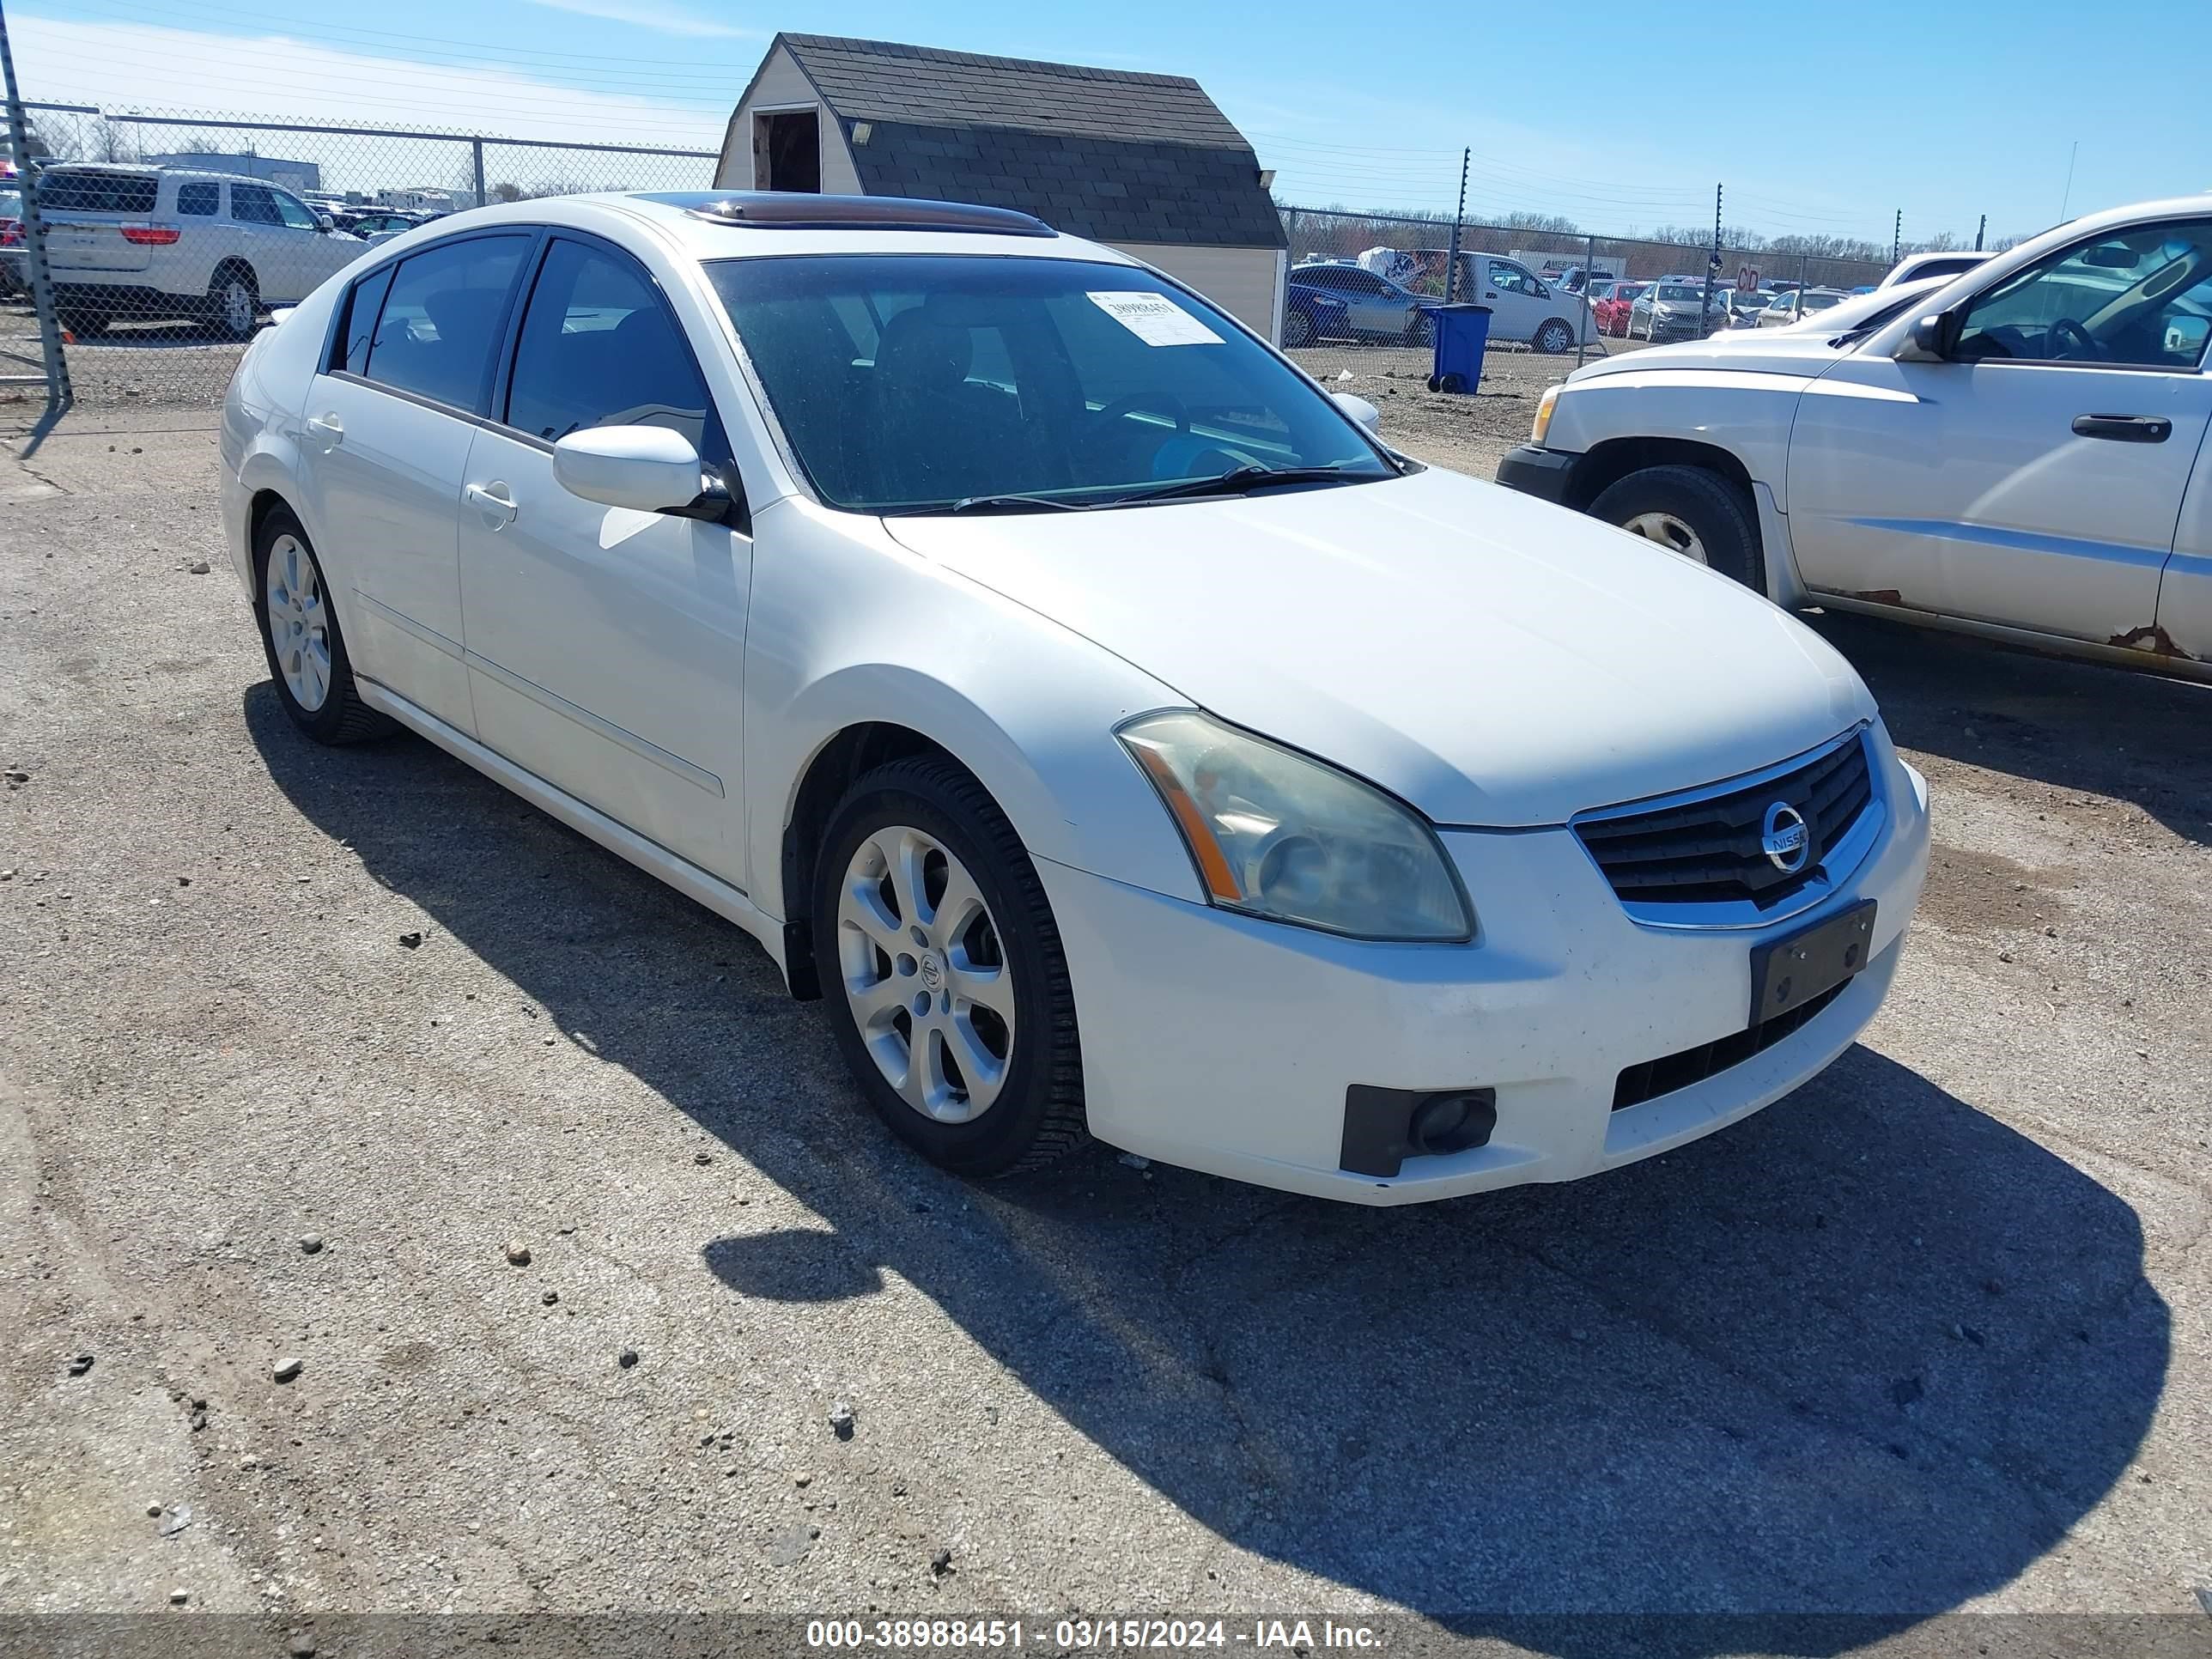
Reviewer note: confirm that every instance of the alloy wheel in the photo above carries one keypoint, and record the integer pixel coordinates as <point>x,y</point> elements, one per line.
<point>1670,531</point>
<point>238,306</point>
<point>299,624</point>
<point>926,974</point>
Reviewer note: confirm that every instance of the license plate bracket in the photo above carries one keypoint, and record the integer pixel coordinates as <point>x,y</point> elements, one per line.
<point>1787,973</point>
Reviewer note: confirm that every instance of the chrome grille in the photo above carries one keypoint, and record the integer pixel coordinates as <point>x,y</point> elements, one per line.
<point>1707,849</point>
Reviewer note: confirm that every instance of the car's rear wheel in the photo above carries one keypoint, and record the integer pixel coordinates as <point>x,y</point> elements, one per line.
<point>81,323</point>
<point>937,954</point>
<point>1298,330</point>
<point>1555,337</point>
<point>300,636</point>
<point>1690,511</point>
<point>236,302</point>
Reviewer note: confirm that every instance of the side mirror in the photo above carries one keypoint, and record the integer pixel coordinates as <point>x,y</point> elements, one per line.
<point>1933,336</point>
<point>324,223</point>
<point>647,468</point>
<point>1360,411</point>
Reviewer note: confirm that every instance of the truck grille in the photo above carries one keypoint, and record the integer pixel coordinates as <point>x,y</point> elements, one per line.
<point>1709,850</point>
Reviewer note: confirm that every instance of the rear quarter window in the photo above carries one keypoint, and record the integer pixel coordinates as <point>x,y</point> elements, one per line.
<point>99,192</point>
<point>199,201</point>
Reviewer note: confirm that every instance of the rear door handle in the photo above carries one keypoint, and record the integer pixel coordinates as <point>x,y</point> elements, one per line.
<point>2125,429</point>
<point>492,501</point>
<point>328,431</point>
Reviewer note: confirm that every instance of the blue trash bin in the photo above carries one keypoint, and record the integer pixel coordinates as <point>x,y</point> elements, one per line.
<point>1463,333</point>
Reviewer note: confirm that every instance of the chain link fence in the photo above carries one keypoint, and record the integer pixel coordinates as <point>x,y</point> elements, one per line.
<point>1565,296</point>
<point>169,236</point>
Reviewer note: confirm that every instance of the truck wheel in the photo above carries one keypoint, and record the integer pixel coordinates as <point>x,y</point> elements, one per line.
<point>1690,511</point>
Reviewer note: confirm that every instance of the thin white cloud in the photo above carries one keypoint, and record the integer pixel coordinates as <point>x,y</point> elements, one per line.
<point>668,20</point>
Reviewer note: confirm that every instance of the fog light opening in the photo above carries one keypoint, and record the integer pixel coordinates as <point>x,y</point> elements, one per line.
<point>1451,1123</point>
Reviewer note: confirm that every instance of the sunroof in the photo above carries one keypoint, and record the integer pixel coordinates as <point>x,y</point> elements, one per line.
<point>799,210</point>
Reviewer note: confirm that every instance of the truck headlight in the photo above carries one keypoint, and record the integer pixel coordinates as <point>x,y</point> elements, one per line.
<point>1277,835</point>
<point>1543,423</point>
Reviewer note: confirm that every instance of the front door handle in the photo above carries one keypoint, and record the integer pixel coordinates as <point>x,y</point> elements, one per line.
<point>329,432</point>
<point>2125,429</point>
<point>492,501</point>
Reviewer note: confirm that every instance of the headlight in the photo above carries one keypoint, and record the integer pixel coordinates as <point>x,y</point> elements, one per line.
<point>1543,414</point>
<point>1276,835</point>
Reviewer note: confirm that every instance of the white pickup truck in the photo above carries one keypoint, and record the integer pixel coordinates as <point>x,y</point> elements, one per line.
<point>2018,451</point>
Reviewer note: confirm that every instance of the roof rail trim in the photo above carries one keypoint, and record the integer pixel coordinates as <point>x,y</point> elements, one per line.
<point>798,210</point>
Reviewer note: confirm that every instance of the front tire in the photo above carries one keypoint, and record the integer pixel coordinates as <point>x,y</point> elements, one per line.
<point>1690,511</point>
<point>1422,331</point>
<point>300,638</point>
<point>943,968</point>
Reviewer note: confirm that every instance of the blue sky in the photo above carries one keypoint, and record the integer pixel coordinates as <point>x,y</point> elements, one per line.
<point>1620,117</point>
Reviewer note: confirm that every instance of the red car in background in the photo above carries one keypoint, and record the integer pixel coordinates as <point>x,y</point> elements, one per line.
<point>1610,306</point>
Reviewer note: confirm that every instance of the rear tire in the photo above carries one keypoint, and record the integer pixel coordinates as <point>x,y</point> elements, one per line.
<point>1670,504</point>
<point>83,325</point>
<point>895,989</point>
<point>233,302</point>
<point>1297,331</point>
<point>1555,338</point>
<point>299,637</point>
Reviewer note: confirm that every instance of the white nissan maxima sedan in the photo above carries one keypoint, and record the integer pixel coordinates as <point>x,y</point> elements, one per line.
<point>1119,739</point>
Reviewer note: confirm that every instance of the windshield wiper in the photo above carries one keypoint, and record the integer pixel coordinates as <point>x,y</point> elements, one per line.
<point>993,504</point>
<point>1238,480</point>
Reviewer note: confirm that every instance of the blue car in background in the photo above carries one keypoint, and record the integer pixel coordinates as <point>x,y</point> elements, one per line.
<point>1310,315</point>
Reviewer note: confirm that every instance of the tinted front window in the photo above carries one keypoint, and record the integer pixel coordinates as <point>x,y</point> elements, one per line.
<point>912,381</point>
<point>199,201</point>
<point>98,193</point>
<point>254,205</point>
<point>598,348</point>
<point>440,322</point>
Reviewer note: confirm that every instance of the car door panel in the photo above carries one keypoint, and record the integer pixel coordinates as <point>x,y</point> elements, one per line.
<point>1512,313</point>
<point>1964,489</point>
<point>391,420</point>
<point>606,646</point>
<point>2183,628</point>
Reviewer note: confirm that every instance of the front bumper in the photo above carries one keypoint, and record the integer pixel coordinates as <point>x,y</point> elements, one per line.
<point>1547,474</point>
<point>1227,1044</point>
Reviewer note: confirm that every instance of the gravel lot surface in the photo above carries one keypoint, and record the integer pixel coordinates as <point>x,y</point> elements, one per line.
<point>301,1049</point>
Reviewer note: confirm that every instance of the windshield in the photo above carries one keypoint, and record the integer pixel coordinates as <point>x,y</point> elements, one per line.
<point>918,382</point>
<point>1679,291</point>
<point>1816,301</point>
<point>1870,311</point>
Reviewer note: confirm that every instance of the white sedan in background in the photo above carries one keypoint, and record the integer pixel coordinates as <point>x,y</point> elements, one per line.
<point>1046,673</point>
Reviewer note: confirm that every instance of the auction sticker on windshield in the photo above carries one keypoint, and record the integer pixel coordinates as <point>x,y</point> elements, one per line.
<point>1155,319</point>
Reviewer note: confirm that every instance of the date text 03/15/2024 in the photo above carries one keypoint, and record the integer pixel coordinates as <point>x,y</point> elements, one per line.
<point>1087,1635</point>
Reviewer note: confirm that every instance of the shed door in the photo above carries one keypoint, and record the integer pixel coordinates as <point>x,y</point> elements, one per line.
<point>787,150</point>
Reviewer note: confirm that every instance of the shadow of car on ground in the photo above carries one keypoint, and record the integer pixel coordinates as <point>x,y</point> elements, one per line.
<point>1870,1352</point>
<point>2077,725</point>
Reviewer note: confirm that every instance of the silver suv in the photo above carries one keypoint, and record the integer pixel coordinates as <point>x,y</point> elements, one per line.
<point>145,244</point>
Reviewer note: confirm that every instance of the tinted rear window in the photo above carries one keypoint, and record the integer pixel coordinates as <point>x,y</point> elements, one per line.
<point>98,193</point>
<point>199,200</point>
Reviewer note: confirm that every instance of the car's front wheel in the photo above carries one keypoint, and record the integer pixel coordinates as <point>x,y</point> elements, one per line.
<point>299,634</point>
<point>1422,331</point>
<point>1690,511</point>
<point>938,956</point>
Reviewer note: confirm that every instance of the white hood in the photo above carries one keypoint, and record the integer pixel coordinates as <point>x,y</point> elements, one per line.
<point>1488,657</point>
<point>1795,350</point>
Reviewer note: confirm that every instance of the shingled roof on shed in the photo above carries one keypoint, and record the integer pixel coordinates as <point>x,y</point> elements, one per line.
<point>1106,154</point>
